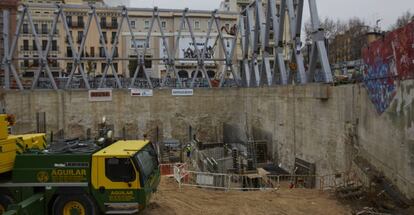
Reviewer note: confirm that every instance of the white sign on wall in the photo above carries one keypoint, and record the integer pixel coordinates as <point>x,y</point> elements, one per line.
<point>182,92</point>
<point>100,95</point>
<point>187,50</point>
<point>142,92</point>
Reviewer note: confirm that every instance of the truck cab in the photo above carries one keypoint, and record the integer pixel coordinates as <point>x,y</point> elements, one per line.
<point>117,179</point>
<point>124,175</point>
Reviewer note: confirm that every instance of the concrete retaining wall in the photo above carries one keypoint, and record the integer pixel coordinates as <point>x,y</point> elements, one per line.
<point>318,123</point>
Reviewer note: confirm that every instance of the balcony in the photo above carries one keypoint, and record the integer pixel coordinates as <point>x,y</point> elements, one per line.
<point>113,25</point>
<point>76,24</point>
<point>103,24</point>
<point>34,48</point>
<point>24,48</point>
<point>24,65</point>
<point>54,48</point>
<point>54,64</point>
<point>41,33</point>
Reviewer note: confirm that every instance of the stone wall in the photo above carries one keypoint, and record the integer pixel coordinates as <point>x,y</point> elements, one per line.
<point>318,123</point>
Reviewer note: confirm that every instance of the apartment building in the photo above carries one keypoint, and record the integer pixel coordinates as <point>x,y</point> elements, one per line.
<point>60,48</point>
<point>109,21</point>
<point>170,24</point>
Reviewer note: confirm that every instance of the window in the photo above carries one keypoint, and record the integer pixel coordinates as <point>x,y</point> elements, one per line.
<point>26,62</point>
<point>69,52</point>
<point>116,54</point>
<point>55,63</point>
<point>92,51</point>
<point>36,61</point>
<point>101,52</point>
<point>69,67</point>
<point>146,24</point>
<point>44,28</point>
<point>104,36</point>
<point>69,21</point>
<point>26,45</point>
<point>80,36</point>
<point>103,22</point>
<point>80,21</point>
<point>114,22</point>
<point>132,24</point>
<point>36,28</point>
<point>113,37</point>
<point>163,24</point>
<point>148,63</point>
<point>54,45</point>
<point>196,25</point>
<point>119,170</point>
<point>34,46</point>
<point>25,28</point>
<point>147,161</point>
<point>44,45</point>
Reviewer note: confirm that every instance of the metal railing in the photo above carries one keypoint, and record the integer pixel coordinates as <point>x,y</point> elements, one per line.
<point>251,182</point>
<point>78,83</point>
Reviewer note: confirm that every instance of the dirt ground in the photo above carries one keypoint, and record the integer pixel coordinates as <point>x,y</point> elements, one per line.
<point>170,200</point>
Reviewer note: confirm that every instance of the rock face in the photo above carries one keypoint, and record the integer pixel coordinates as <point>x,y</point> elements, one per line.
<point>321,124</point>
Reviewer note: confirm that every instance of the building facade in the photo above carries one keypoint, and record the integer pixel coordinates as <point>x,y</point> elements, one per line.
<point>11,7</point>
<point>170,24</point>
<point>125,62</point>
<point>109,21</point>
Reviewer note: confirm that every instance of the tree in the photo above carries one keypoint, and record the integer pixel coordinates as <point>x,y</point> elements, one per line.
<point>345,38</point>
<point>403,20</point>
<point>330,26</point>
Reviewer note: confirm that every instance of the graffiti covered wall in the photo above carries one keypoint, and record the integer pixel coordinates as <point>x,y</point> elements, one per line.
<point>388,60</point>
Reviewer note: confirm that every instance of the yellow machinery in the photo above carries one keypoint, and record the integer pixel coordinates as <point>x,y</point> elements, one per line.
<point>10,145</point>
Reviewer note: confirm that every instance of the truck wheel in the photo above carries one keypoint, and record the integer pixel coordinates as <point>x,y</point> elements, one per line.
<point>74,204</point>
<point>5,201</point>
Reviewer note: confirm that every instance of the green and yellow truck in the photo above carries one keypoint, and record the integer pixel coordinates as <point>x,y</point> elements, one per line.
<point>116,179</point>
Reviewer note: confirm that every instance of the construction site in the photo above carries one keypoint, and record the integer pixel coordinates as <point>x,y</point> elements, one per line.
<point>201,112</point>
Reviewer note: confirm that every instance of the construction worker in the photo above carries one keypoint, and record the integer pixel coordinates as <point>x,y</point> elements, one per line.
<point>188,150</point>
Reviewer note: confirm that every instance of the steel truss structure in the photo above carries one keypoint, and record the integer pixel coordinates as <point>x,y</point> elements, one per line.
<point>255,26</point>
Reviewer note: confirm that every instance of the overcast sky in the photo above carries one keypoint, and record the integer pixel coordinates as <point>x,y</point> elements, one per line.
<point>369,10</point>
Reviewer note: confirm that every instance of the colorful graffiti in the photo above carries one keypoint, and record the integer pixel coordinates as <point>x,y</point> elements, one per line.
<point>388,61</point>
